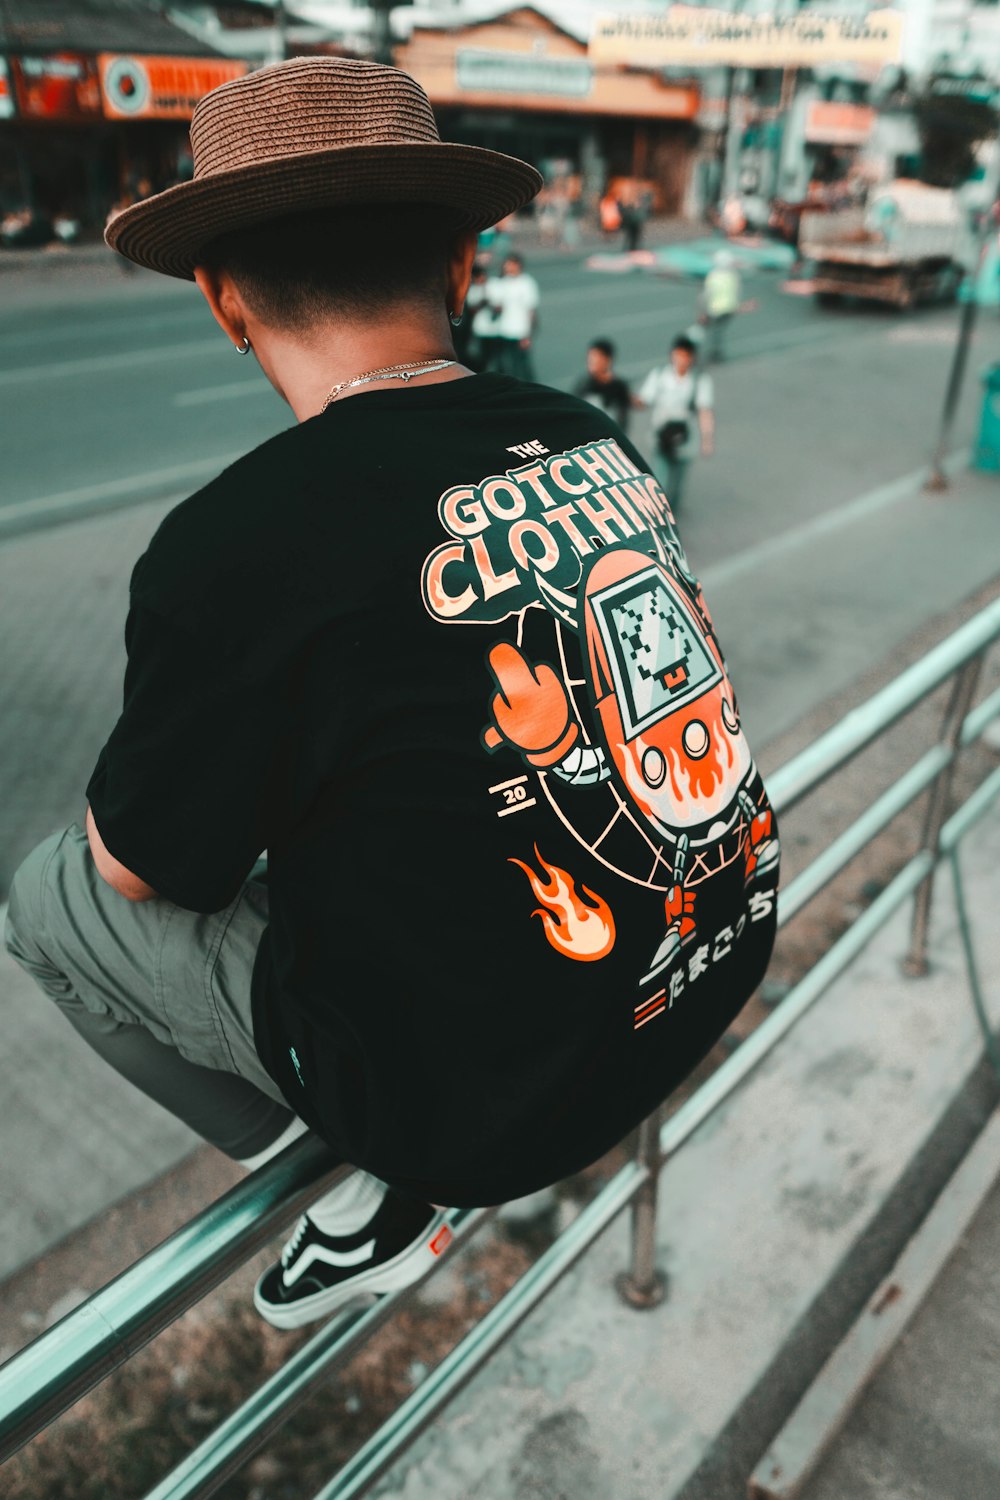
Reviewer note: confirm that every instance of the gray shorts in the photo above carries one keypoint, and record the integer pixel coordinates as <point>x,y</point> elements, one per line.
<point>183,976</point>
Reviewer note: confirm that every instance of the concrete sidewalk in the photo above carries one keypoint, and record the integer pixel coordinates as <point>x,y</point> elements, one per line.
<point>926,1428</point>
<point>777,1220</point>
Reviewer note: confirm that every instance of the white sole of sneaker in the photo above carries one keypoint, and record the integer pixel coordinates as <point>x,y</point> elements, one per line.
<point>402,1271</point>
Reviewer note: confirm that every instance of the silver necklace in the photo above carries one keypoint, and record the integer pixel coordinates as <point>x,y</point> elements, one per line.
<point>406,372</point>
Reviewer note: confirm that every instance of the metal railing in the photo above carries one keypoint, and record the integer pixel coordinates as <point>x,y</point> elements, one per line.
<point>81,1350</point>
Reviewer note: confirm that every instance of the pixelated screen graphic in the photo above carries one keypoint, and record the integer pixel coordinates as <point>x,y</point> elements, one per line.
<point>658,655</point>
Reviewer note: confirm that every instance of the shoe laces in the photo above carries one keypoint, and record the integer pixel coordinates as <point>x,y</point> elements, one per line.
<point>293,1244</point>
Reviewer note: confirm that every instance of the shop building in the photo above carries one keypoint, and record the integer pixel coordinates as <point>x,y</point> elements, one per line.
<point>522,83</point>
<point>95,103</point>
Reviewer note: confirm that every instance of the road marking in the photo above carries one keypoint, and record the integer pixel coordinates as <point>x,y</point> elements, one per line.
<point>94,363</point>
<point>88,498</point>
<point>859,509</point>
<point>227,392</point>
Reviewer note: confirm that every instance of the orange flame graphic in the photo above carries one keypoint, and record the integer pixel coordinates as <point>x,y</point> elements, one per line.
<point>573,927</point>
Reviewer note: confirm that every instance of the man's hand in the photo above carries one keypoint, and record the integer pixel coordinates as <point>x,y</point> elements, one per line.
<point>112,870</point>
<point>530,710</point>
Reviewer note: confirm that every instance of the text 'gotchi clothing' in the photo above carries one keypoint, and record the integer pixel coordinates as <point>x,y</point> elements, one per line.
<point>439,650</point>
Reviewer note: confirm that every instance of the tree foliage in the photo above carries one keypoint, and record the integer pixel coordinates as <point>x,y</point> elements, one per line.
<point>951,126</point>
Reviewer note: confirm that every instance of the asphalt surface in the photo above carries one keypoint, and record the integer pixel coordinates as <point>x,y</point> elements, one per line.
<point>818,549</point>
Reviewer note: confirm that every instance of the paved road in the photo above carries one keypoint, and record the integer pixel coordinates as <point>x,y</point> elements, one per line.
<point>819,551</point>
<point>141,392</point>
<point>809,527</point>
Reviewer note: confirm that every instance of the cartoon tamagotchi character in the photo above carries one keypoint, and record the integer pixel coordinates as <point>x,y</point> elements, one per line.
<point>665,727</point>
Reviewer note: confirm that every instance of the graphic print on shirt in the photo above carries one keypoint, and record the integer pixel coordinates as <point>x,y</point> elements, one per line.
<point>649,717</point>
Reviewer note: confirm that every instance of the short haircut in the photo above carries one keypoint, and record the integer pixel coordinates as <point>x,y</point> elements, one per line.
<point>603,346</point>
<point>353,261</point>
<point>514,256</point>
<point>683,342</point>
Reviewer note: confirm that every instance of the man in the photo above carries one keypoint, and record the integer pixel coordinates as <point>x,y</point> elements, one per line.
<point>514,298</point>
<point>339,651</point>
<point>721,297</point>
<point>480,320</point>
<point>681,405</point>
<point>602,387</point>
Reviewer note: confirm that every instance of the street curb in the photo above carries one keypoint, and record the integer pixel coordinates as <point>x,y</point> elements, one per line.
<point>739,1446</point>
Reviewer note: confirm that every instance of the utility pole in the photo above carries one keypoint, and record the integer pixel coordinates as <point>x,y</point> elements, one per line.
<point>280,30</point>
<point>382,31</point>
<point>724,137</point>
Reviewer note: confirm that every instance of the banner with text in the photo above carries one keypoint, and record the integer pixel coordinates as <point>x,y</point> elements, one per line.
<point>687,36</point>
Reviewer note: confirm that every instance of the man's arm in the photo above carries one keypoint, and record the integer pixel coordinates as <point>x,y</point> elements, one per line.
<point>112,870</point>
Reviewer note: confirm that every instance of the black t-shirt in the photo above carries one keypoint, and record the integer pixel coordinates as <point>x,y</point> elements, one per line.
<point>612,396</point>
<point>438,650</point>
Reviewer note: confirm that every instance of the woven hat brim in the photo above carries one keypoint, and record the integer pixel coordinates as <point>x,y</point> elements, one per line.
<point>166,232</point>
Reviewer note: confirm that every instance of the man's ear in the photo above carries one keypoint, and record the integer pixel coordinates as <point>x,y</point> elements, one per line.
<point>460,262</point>
<point>219,291</point>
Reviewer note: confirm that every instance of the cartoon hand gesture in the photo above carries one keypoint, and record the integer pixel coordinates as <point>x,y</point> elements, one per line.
<point>531,709</point>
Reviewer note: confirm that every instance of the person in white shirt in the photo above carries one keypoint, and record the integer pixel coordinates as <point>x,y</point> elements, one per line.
<point>681,406</point>
<point>514,299</point>
<point>721,299</point>
<point>478,352</point>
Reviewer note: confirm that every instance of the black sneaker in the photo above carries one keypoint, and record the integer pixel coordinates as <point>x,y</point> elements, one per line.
<point>318,1273</point>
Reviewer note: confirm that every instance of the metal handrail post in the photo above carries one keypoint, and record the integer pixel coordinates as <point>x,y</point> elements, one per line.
<point>960,701</point>
<point>643,1285</point>
<point>972,968</point>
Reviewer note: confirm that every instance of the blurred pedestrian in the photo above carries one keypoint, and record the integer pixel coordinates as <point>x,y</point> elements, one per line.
<point>514,298</point>
<point>480,318</point>
<point>572,233</point>
<point>632,221</point>
<point>681,405</point>
<point>602,387</point>
<point>610,213</point>
<point>732,218</point>
<point>721,301</point>
<point>547,218</point>
<point>503,242</point>
<point>126,266</point>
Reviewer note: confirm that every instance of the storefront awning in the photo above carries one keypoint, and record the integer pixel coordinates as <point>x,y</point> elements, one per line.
<point>45,26</point>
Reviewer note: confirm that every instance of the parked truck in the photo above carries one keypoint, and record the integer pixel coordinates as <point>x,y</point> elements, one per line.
<point>909,244</point>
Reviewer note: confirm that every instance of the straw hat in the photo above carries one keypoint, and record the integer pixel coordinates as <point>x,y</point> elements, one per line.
<point>311,133</point>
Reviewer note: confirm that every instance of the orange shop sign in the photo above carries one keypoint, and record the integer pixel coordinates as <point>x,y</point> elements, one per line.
<point>59,86</point>
<point>160,88</point>
<point>829,123</point>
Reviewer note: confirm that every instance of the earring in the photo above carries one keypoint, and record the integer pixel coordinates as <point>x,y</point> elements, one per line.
<point>243,348</point>
<point>455,319</point>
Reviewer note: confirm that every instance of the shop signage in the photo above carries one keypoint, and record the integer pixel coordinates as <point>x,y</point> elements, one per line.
<point>483,71</point>
<point>160,88</point>
<point>688,36</point>
<point>6,93</point>
<point>973,90</point>
<point>60,86</point>
<point>835,124</point>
